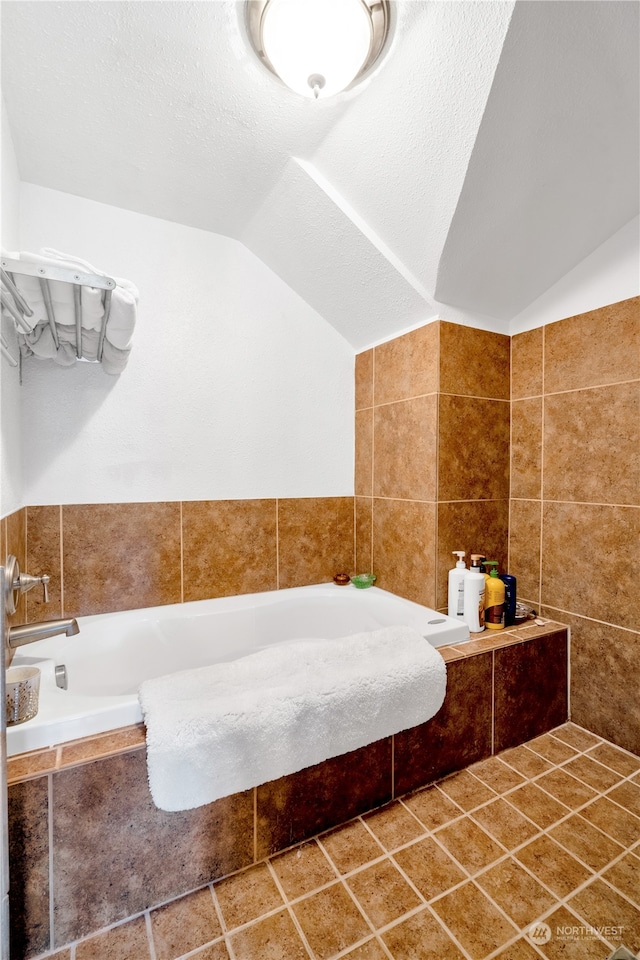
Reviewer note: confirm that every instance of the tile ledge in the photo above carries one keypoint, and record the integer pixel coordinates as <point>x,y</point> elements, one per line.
<point>99,746</point>
<point>487,641</point>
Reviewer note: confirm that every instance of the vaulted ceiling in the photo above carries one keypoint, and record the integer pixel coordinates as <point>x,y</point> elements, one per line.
<point>492,149</point>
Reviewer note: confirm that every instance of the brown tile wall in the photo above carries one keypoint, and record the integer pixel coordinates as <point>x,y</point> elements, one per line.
<point>121,556</point>
<point>568,508</point>
<point>575,507</point>
<point>92,796</point>
<point>432,456</point>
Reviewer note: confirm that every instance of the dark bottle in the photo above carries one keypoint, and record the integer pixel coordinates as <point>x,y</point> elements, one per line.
<point>509,599</point>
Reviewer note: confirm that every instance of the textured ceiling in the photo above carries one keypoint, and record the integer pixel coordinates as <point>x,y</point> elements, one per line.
<point>492,148</point>
<point>555,164</point>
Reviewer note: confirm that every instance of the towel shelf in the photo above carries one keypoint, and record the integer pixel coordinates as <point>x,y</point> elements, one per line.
<point>15,293</point>
<point>27,269</point>
<point>16,306</point>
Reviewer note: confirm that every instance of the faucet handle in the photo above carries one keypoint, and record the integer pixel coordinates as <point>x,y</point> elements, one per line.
<point>17,583</point>
<point>25,582</point>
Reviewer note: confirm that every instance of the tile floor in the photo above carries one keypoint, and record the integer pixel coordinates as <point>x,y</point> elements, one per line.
<point>547,833</point>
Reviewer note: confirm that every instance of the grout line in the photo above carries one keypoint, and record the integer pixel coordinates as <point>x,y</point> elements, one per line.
<point>628,753</point>
<point>290,911</point>
<point>197,952</point>
<point>348,951</point>
<point>439,502</point>
<point>438,354</point>
<point>511,943</point>
<point>379,842</point>
<point>230,948</point>
<point>589,503</point>
<point>473,396</point>
<point>50,871</point>
<point>603,623</point>
<point>493,702</point>
<point>353,897</point>
<point>428,908</point>
<point>595,386</point>
<point>278,540</point>
<point>384,947</point>
<point>393,766</point>
<point>569,672</point>
<point>416,396</point>
<point>152,946</point>
<point>476,500</point>
<point>373,376</point>
<point>449,932</point>
<point>181,555</point>
<point>511,371</point>
<point>218,909</point>
<point>348,873</point>
<point>325,854</point>
<point>255,824</point>
<point>621,893</point>
<point>570,503</point>
<point>355,533</point>
<point>448,929</point>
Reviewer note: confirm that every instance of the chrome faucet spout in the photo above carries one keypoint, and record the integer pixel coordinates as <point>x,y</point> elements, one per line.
<point>30,632</point>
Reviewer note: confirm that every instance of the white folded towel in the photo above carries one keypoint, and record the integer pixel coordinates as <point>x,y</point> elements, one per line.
<point>40,343</point>
<point>221,729</point>
<point>124,301</point>
<point>120,325</point>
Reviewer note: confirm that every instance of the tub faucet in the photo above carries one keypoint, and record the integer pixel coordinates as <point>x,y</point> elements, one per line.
<point>30,632</point>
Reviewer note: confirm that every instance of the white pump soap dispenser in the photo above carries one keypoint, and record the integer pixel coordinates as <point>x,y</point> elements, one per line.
<point>474,588</point>
<point>456,587</point>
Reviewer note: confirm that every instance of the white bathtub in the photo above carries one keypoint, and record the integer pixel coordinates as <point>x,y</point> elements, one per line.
<point>115,652</point>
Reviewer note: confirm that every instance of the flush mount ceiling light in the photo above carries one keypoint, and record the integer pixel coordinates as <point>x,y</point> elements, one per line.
<point>318,47</point>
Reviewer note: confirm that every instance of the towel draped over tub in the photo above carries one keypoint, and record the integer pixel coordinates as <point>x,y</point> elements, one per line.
<point>225,728</point>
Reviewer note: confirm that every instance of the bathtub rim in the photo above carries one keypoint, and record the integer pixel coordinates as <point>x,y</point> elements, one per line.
<point>64,716</point>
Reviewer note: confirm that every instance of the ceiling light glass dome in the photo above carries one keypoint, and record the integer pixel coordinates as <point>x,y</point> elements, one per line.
<point>318,47</point>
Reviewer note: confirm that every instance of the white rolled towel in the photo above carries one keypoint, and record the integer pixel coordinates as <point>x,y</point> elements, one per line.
<point>124,299</point>
<point>120,325</point>
<point>39,343</point>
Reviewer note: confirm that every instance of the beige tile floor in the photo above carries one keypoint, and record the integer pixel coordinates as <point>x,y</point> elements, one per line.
<point>545,834</point>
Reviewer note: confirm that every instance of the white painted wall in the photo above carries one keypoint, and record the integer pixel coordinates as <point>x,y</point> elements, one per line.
<point>610,274</point>
<point>235,387</point>
<point>11,491</point>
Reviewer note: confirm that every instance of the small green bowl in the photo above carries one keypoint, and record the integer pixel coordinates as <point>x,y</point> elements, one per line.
<point>363,580</point>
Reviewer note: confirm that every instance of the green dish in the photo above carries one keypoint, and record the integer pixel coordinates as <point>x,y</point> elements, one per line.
<point>363,580</point>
